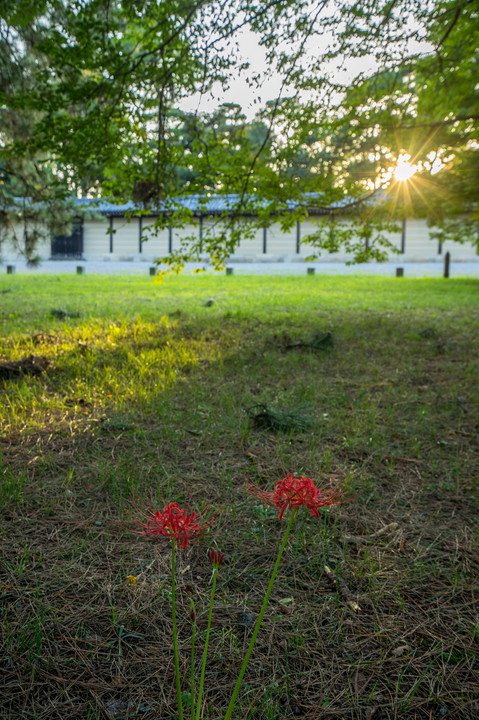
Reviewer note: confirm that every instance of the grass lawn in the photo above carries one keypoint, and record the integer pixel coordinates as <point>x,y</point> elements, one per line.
<point>186,391</point>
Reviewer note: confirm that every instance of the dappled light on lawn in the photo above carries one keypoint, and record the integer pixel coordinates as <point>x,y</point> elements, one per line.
<point>140,421</point>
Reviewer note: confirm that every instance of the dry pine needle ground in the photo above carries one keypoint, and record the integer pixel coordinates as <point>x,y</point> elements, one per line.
<point>375,610</point>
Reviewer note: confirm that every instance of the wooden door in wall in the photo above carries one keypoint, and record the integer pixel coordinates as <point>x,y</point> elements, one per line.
<point>69,246</point>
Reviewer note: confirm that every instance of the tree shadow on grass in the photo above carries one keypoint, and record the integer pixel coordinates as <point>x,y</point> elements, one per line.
<point>395,413</point>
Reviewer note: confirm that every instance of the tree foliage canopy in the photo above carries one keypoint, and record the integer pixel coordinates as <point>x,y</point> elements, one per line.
<point>91,95</point>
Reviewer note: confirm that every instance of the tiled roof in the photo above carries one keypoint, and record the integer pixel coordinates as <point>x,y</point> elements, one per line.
<point>202,205</point>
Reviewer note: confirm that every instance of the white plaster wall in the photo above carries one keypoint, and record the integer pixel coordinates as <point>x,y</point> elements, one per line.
<point>460,251</point>
<point>251,246</point>
<point>395,239</point>
<point>44,247</point>
<point>305,248</point>
<point>310,226</point>
<point>9,252</point>
<point>248,248</point>
<point>96,238</point>
<point>280,242</point>
<point>125,237</point>
<point>156,244</point>
<point>191,230</point>
<point>214,226</point>
<point>418,244</point>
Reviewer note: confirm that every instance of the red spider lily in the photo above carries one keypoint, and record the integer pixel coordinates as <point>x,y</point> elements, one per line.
<point>215,557</point>
<point>296,490</point>
<point>173,522</point>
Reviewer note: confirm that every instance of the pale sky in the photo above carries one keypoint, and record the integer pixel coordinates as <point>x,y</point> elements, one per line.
<point>252,99</point>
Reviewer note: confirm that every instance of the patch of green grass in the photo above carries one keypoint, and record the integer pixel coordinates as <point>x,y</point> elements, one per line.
<point>147,393</point>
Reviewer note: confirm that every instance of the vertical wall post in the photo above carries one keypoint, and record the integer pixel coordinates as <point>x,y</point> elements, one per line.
<point>200,232</point>
<point>265,239</point>
<point>170,239</point>
<point>111,234</point>
<point>439,248</point>
<point>403,236</point>
<point>81,231</point>
<point>140,234</point>
<point>298,236</point>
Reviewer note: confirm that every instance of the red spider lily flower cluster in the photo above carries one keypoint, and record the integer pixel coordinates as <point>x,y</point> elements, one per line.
<point>215,557</point>
<point>296,490</point>
<point>173,522</point>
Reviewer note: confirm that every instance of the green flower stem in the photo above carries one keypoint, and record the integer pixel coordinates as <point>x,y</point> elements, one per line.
<point>237,687</point>
<point>193,637</point>
<point>175,636</point>
<point>205,651</point>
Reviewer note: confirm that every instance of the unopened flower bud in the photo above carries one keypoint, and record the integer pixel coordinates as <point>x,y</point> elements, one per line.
<point>215,557</point>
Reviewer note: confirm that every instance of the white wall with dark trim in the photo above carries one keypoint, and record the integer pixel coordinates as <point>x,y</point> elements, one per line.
<point>121,238</point>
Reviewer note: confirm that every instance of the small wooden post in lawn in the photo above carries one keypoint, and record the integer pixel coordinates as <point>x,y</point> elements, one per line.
<point>447,262</point>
